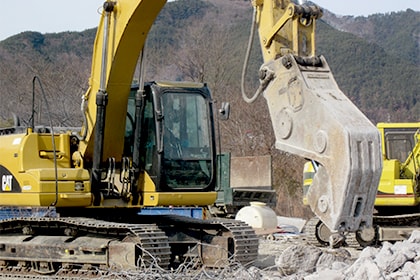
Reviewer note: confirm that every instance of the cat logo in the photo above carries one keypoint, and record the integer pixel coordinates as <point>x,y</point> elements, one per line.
<point>6,184</point>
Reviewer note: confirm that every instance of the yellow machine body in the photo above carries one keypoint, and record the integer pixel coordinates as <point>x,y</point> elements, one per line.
<point>29,176</point>
<point>399,184</point>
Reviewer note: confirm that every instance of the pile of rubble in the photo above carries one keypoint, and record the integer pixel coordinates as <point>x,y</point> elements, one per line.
<point>400,260</point>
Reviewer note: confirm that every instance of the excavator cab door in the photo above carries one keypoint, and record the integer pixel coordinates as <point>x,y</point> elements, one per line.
<point>178,143</point>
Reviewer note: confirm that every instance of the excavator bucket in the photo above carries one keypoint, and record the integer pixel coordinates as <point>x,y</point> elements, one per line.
<point>312,118</point>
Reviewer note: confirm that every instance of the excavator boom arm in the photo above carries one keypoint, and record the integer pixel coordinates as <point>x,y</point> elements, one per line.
<point>312,118</point>
<point>126,27</point>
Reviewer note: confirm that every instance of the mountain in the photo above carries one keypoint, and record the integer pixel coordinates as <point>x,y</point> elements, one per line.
<point>383,85</point>
<point>390,44</point>
<point>397,33</point>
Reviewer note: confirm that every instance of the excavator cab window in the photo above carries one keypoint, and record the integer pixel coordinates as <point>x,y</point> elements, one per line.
<point>399,143</point>
<point>187,160</point>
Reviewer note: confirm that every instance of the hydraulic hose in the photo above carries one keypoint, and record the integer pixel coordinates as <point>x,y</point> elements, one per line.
<point>36,78</point>
<point>246,60</point>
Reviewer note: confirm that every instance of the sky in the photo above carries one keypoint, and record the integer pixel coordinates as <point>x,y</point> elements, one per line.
<point>51,16</point>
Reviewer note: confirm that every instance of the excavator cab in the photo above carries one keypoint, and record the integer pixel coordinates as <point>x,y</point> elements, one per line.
<point>175,135</point>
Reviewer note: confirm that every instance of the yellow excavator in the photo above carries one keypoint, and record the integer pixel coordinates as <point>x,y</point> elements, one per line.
<point>153,144</point>
<point>398,197</point>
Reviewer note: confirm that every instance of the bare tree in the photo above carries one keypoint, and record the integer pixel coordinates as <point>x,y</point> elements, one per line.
<point>64,79</point>
<point>204,55</point>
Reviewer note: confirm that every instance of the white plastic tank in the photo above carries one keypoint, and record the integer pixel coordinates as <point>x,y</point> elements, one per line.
<point>258,215</point>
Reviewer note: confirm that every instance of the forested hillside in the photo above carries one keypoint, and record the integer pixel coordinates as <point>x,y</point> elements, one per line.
<point>205,40</point>
<point>396,33</point>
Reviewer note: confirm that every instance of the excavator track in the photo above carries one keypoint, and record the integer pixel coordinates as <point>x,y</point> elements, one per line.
<point>312,233</point>
<point>78,246</point>
<point>19,273</point>
<point>86,248</point>
<point>318,234</point>
<point>245,240</point>
<point>238,239</point>
<point>395,227</point>
<point>385,228</point>
<point>351,240</point>
<point>398,220</point>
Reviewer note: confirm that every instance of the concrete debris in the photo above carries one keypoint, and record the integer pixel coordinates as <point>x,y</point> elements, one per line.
<point>400,260</point>
<point>297,259</point>
<point>337,259</point>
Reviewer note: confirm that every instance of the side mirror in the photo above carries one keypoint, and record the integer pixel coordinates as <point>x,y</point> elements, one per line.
<point>224,111</point>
